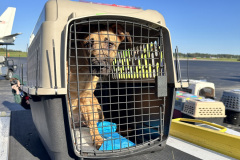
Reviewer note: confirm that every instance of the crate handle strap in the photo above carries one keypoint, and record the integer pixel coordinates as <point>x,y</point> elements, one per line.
<point>222,129</point>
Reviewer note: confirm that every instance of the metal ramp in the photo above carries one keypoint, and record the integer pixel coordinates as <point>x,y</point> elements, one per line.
<point>216,140</point>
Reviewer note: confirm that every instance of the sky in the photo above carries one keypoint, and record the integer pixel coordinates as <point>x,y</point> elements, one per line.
<point>196,26</point>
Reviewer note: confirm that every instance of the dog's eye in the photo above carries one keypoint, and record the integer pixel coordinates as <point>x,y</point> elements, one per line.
<point>88,45</point>
<point>110,45</point>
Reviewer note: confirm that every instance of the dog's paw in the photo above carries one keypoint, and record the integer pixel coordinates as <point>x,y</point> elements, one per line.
<point>98,145</point>
<point>98,141</point>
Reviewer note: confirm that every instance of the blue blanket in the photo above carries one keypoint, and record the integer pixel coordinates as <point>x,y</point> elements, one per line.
<point>113,139</point>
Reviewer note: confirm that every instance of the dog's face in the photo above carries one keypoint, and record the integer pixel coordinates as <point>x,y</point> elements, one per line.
<point>102,48</point>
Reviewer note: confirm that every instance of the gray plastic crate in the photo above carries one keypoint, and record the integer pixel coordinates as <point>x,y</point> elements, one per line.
<point>179,105</point>
<point>231,99</point>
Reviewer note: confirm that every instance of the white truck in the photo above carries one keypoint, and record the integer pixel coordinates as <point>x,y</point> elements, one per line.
<point>7,67</point>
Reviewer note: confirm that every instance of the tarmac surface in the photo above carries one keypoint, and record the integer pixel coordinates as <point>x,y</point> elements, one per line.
<point>25,142</point>
<point>225,75</point>
<point>7,101</point>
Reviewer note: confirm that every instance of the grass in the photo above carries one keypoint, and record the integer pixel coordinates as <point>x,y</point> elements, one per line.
<point>14,54</point>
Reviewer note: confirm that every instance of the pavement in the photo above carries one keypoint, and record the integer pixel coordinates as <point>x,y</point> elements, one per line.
<point>18,134</point>
<point>25,144</point>
<point>7,100</point>
<point>224,75</point>
<point>7,105</point>
<point>4,134</point>
<point>19,138</point>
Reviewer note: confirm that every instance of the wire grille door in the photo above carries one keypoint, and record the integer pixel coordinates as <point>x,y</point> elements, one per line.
<point>113,67</point>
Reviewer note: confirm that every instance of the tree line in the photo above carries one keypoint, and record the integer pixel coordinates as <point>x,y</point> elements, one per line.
<point>9,50</point>
<point>183,55</point>
<point>206,55</point>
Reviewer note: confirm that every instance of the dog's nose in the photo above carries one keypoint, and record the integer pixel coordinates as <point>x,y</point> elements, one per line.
<point>103,64</point>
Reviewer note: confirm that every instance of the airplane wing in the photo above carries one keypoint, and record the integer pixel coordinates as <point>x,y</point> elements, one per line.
<point>12,35</point>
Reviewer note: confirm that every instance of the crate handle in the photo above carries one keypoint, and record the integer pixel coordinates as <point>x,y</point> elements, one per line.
<point>222,129</point>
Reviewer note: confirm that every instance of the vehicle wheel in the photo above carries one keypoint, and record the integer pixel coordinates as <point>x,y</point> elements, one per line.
<point>9,74</point>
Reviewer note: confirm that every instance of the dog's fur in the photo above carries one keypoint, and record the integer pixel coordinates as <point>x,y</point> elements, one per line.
<point>100,49</point>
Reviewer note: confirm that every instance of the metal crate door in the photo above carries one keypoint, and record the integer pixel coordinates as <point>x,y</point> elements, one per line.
<point>117,86</point>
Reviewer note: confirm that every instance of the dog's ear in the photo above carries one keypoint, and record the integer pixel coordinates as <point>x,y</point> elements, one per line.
<point>119,30</point>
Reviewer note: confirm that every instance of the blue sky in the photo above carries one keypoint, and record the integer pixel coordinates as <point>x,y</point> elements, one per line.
<point>204,26</point>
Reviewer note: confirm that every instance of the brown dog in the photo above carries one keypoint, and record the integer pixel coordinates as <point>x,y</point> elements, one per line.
<point>94,58</point>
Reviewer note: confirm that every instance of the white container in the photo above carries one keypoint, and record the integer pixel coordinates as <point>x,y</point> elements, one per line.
<point>202,88</point>
<point>204,108</point>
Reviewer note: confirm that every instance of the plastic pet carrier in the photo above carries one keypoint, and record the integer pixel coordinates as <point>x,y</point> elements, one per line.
<point>101,80</point>
<point>204,109</point>
<point>231,99</point>
<point>201,88</point>
<point>182,97</point>
<point>233,117</point>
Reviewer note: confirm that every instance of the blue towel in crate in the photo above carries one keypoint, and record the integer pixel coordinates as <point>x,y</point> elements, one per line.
<point>113,139</point>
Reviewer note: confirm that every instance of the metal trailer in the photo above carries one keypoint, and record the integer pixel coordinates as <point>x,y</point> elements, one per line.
<point>136,94</point>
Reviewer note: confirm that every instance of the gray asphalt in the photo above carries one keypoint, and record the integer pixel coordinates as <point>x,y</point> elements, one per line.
<point>225,75</point>
<point>7,101</point>
<point>24,140</point>
<point>25,144</point>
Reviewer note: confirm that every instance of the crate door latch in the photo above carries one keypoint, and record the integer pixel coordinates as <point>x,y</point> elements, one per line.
<point>161,86</point>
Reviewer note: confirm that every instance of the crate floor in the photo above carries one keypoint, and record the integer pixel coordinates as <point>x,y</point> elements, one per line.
<point>26,144</point>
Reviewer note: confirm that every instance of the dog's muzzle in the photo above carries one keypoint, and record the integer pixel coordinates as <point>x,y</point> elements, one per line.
<point>100,67</point>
